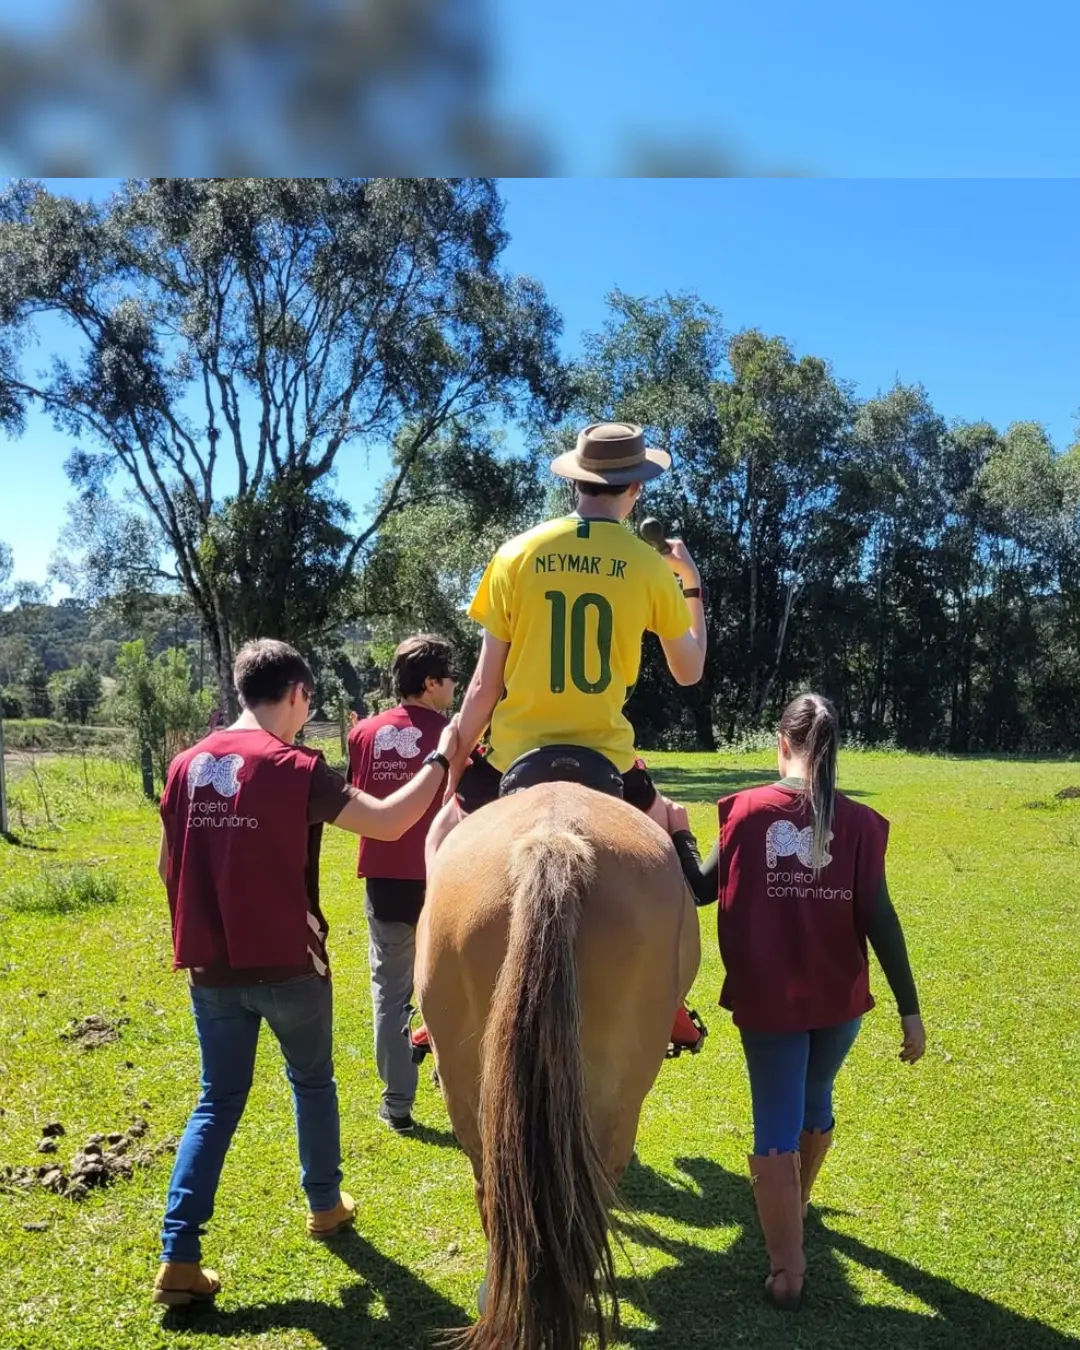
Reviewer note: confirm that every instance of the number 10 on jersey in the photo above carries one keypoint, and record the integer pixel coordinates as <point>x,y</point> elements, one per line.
<point>579,657</point>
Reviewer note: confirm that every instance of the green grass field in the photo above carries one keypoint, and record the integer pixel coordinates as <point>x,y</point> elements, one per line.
<point>950,1206</point>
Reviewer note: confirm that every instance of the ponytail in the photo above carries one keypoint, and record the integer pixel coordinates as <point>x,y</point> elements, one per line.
<point>809,723</point>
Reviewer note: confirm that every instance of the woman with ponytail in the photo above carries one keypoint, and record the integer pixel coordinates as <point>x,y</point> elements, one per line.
<point>799,871</point>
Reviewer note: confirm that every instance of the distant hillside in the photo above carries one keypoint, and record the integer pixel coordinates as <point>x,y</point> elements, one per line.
<point>71,632</point>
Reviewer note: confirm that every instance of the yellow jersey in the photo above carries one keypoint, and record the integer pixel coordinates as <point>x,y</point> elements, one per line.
<point>574,598</point>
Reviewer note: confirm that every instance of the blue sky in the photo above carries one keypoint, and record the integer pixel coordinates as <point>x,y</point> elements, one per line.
<point>845,87</point>
<point>971,288</point>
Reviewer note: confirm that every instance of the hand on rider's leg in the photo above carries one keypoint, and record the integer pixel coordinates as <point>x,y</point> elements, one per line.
<point>449,816</point>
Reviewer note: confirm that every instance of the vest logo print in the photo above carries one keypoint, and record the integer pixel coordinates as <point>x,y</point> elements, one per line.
<point>404,741</point>
<point>220,774</point>
<point>782,840</point>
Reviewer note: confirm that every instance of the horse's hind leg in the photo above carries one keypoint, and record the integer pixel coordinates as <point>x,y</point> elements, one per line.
<point>456,1045</point>
<point>616,1135</point>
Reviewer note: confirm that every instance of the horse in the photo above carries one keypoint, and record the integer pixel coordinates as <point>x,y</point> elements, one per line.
<point>557,939</point>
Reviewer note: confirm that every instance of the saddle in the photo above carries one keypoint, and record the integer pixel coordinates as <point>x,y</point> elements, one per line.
<point>562,764</point>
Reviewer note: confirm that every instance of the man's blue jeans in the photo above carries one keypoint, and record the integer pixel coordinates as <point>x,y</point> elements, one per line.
<point>227,1021</point>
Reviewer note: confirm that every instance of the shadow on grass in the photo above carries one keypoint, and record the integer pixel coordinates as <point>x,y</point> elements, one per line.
<point>708,1299</point>
<point>709,785</point>
<point>16,841</point>
<point>703,1300</point>
<point>431,1134</point>
<point>415,1315</point>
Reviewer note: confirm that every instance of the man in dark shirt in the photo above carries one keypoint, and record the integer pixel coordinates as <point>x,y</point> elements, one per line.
<point>242,816</point>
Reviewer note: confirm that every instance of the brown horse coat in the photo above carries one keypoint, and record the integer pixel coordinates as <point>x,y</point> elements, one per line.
<point>556,942</point>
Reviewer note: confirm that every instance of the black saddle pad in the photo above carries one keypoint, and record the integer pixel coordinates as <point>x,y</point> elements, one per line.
<point>562,764</point>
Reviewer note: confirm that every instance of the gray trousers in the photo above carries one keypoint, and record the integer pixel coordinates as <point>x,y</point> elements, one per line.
<point>392,950</point>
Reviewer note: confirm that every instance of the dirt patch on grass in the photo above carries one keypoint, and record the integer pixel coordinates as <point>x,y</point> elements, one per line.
<point>94,1031</point>
<point>102,1160</point>
<point>1069,794</point>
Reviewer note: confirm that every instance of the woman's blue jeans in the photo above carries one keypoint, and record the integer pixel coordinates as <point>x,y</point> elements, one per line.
<point>300,1014</point>
<point>791,1081</point>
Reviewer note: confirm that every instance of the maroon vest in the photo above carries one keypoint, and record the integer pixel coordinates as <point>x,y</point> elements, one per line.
<point>385,752</point>
<point>794,942</point>
<point>235,812</point>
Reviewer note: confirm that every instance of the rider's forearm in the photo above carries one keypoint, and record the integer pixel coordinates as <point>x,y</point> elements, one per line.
<point>699,629</point>
<point>690,579</point>
<point>480,702</point>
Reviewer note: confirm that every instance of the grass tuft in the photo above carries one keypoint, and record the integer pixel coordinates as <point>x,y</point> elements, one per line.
<point>63,890</point>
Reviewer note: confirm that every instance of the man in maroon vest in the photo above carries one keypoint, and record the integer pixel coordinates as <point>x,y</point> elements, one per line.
<point>384,753</point>
<point>242,815</point>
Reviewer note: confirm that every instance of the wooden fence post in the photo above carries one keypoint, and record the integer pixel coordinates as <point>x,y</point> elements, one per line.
<point>146,763</point>
<point>3,783</point>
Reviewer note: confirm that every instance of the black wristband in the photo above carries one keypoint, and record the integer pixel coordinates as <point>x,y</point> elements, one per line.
<point>697,593</point>
<point>437,757</point>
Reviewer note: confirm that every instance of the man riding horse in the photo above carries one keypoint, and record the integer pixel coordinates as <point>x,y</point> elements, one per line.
<point>559,936</point>
<point>564,608</point>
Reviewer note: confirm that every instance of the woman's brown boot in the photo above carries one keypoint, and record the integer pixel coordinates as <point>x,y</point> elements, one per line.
<point>813,1145</point>
<point>778,1195</point>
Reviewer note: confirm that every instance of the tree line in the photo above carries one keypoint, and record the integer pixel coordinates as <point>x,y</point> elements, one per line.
<point>237,339</point>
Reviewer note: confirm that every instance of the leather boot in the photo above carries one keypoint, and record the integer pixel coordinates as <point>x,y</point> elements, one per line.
<point>813,1145</point>
<point>778,1196</point>
<point>180,1283</point>
<point>327,1223</point>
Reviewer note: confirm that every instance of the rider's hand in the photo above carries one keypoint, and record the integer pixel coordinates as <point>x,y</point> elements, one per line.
<point>459,762</point>
<point>681,563</point>
<point>914,1039</point>
<point>677,818</point>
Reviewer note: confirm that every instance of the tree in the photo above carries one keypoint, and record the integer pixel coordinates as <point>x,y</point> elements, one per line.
<point>963,569</point>
<point>16,654</point>
<point>236,337</point>
<point>11,703</point>
<point>784,428</point>
<point>894,494</point>
<point>77,694</point>
<point>1024,486</point>
<point>107,551</point>
<point>155,698</point>
<point>35,683</point>
<point>466,498</point>
<point>5,573</point>
<point>18,592</point>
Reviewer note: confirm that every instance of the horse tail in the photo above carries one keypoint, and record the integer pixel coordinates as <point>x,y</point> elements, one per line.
<point>545,1191</point>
